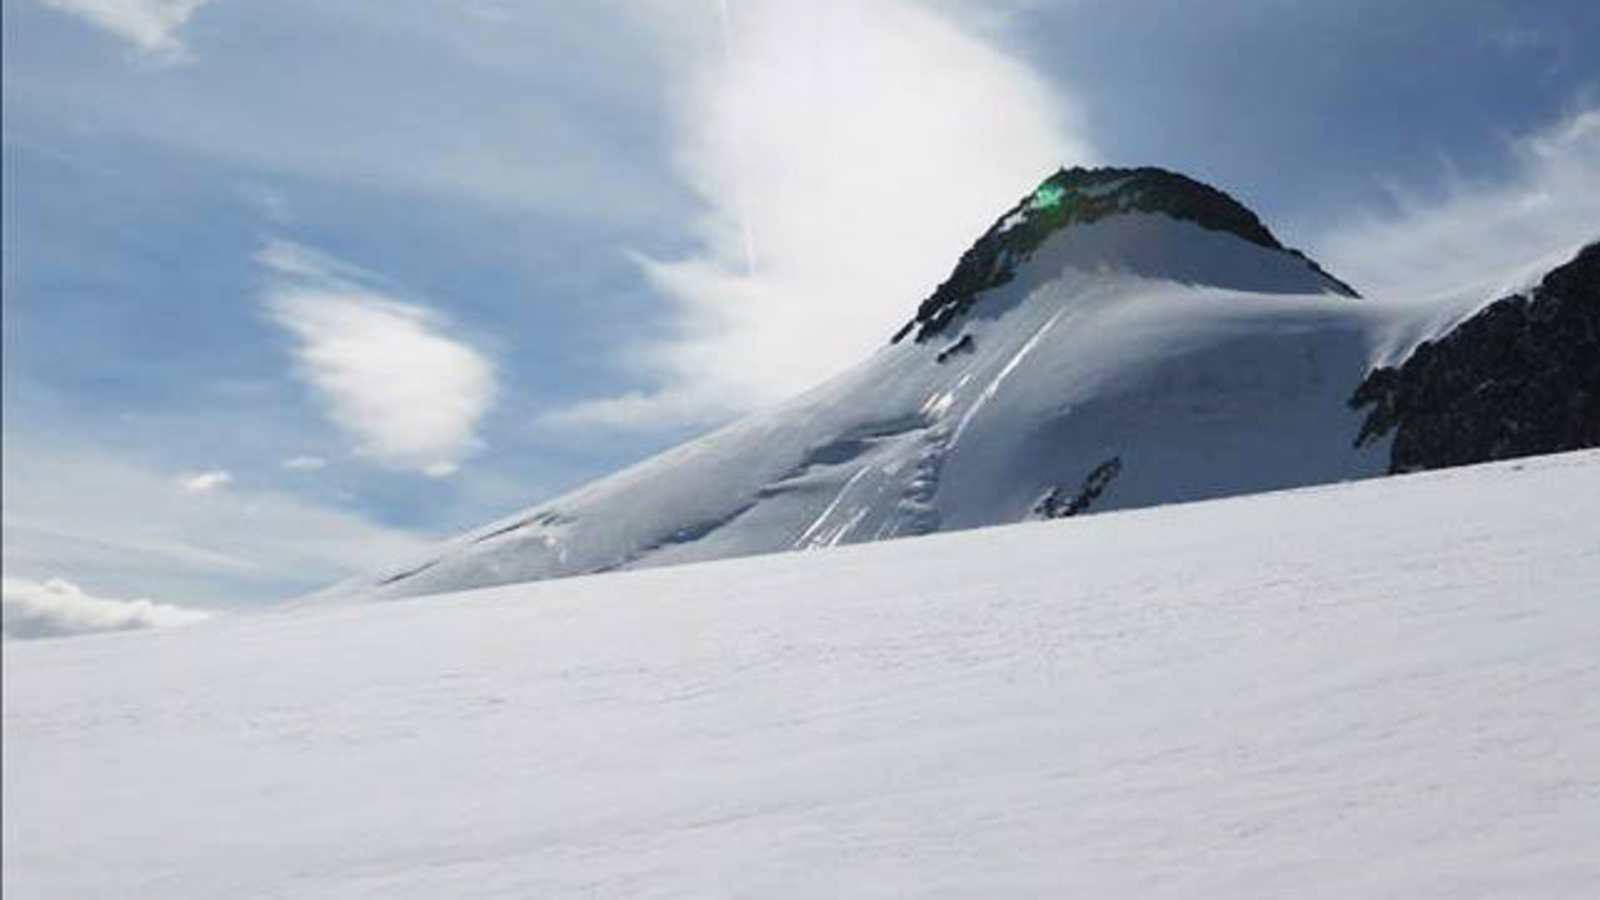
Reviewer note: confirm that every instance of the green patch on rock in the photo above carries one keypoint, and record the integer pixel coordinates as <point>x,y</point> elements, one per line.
<point>1047,196</point>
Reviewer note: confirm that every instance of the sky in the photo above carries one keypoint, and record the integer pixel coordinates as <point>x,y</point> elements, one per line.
<point>293,288</point>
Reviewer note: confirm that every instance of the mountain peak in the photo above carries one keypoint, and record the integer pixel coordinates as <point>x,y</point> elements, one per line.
<point>1082,196</point>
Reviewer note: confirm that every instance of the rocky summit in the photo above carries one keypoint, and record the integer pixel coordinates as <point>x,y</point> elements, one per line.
<point>1080,196</point>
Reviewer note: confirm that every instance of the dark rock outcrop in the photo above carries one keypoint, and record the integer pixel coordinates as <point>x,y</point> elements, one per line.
<point>1080,196</point>
<point>1052,506</point>
<point>1522,377</point>
<point>964,345</point>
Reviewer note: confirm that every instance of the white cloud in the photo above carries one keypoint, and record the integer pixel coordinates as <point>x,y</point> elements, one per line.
<point>387,374</point>
<point>440,469</point>
<point>152,26</point>
<point>98,518</point>
<point>305,463</point>
<point>287,258</point>
<point>204,482</point>
<point>57,608</point>
<point>1478,233</point>
<point>681,402</point>
<point>848,153</point>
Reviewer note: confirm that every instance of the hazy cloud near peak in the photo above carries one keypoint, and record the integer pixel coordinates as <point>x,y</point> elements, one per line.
<point>387,372</point>
<point>59,608</point>
<point>152,26</point>
<point>847,154</point>
<point>1479,232</point>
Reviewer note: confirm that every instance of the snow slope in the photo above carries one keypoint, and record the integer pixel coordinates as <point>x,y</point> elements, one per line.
<point>1205,363</point>
<point>1378,689</point>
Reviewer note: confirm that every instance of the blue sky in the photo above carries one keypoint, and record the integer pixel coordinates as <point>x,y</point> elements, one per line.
<point>291,288</point>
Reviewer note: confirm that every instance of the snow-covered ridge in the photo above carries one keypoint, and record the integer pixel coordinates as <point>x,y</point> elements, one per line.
<point>1130,357</point>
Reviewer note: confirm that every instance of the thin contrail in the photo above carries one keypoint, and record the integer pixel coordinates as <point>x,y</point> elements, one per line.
<point>740,187</point>
<point>727,28</point>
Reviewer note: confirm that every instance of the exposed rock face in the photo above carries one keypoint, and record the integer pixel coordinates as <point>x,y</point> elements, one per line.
<point>1520,378</point>
<point>1053,506</point>
<point>1080,196</point>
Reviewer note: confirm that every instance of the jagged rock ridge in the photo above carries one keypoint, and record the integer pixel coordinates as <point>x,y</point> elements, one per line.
<point>1521,377</point>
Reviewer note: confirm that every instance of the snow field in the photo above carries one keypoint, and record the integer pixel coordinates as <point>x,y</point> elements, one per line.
<point>1381,688</point>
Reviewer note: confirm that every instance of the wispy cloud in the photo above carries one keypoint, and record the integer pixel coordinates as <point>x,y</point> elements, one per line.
<point>97,517</point>
<point>58,608</point>
<point>847,154</point>
<point>151,26</point>
<point>514,107</point>
<point>1479,232</point>
<point>305,463</point>
<point>387,372</point>
<point>204,482</point>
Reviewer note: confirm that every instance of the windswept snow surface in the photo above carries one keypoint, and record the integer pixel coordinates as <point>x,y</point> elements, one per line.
<point>1378,689</point>
<point>1210,365</point>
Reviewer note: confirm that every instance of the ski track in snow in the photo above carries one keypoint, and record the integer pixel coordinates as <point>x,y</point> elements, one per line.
<point>993,387</point>
<point>808,538</point>
<point>1377,689</point>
